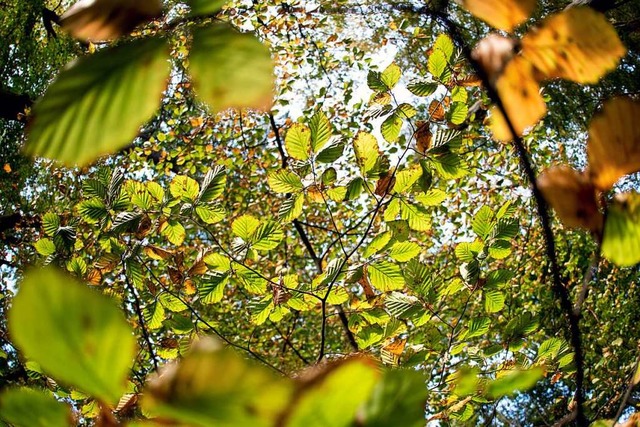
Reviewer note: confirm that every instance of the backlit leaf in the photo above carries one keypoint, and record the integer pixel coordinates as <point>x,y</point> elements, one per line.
<point>404,251</point>
<point>215,386</point>
<point>520,95</point>
<point>213,185</point>
<point>97,105</point>
<point>577,44</point>
<point>283,181</point>
<point>621,241</point>
<point>230,69</point>
<point>173,231</point>
<point>572,196</point>
<point>502,14</point>
<point>613,147</point>
<point>438,66</point>
<point>320,131</point>
<point>245,226</point>
<point>298,141</point>
<point>76,334</point>
<point>385,276</point>
<point>367,151</point>
<point>267,236</point>
<point>326,401</point>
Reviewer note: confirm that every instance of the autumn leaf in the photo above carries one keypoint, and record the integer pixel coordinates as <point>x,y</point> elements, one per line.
<point>502,14</point>
<point>572,196</point>
<point>578,44</point>
<point>613,147</point>
<point>423,136</point>
<point>103,20</point>
<point>521,99</point>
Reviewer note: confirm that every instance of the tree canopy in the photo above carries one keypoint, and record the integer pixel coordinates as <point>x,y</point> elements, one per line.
<point>327,213</point>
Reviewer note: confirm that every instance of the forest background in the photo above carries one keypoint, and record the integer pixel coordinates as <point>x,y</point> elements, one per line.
<point>350,198</point>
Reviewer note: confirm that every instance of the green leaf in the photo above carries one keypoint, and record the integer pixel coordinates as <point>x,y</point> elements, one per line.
<point>417,218</point>
<point>391,127</point>
<point>92,210</point>
<point>28,407</point>
<point>331,153</point>
<point>406,178</point>
<point>378,242</point>
<point>397,400</point>
<point>267,236</point>
<point>549,348</point>
<point>97,105</point>
<point>444,44</point>
<point>516,380</point>
<point>211,214</point>
<point>385,276</point>
<point>422,88</point>
<point>230,69</point>
<point>500,249</point>
<point>77,335</point>
<point>291,208</point>
<point>493,301</point>
<point>404,251</point>
<point>320,131</point>
<point>391,75</point>
<point>449,165</point>
<point>211,290</point>
<point>245,226</point>
<point>459,94</point>
<point>457,113</point>
<point>171,302</point>
<point>433,197</point>
<point>483,222</point>
<point>437,65</point>
<point>402,306</point>
<point>45,246</point>
<point>478,327</point>
<point>213,386</point>
<point>173,231</point>
<point>621,241</point>
<point>126,222</point>
<point>205,7</point>
<point>298,141</point>
<point>213,185</point>
<point>154,316</point>
<point>184,188</point>
<point>283,181</point>
<point>50,224</point>
<point>367,151</point>
<point>326,401</point>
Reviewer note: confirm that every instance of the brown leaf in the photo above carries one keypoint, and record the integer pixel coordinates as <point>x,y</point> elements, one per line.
<point>436,111</point>
<point>103,20</point>
<point>94,277</point>
<point>154,252</point>
<point>613,147</point>
<point>369,293</point>
<point>175,275</point>
<point>572,196</point>
<point>423,136</point>
<point>384,184</point>
<point>578,44</point>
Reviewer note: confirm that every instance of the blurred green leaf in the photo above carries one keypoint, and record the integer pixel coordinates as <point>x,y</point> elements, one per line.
<point>97,105</point>
<point>77,335</point>
<point>230,69</point>
<point>28,407</point>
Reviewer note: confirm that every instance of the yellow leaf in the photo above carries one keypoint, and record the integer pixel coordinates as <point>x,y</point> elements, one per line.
<point>502,14</point>
<point>578,44</point>
<point>7,168</point>
<point>572,196</point>
<point>520,95</point>
<point>613,147</point>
